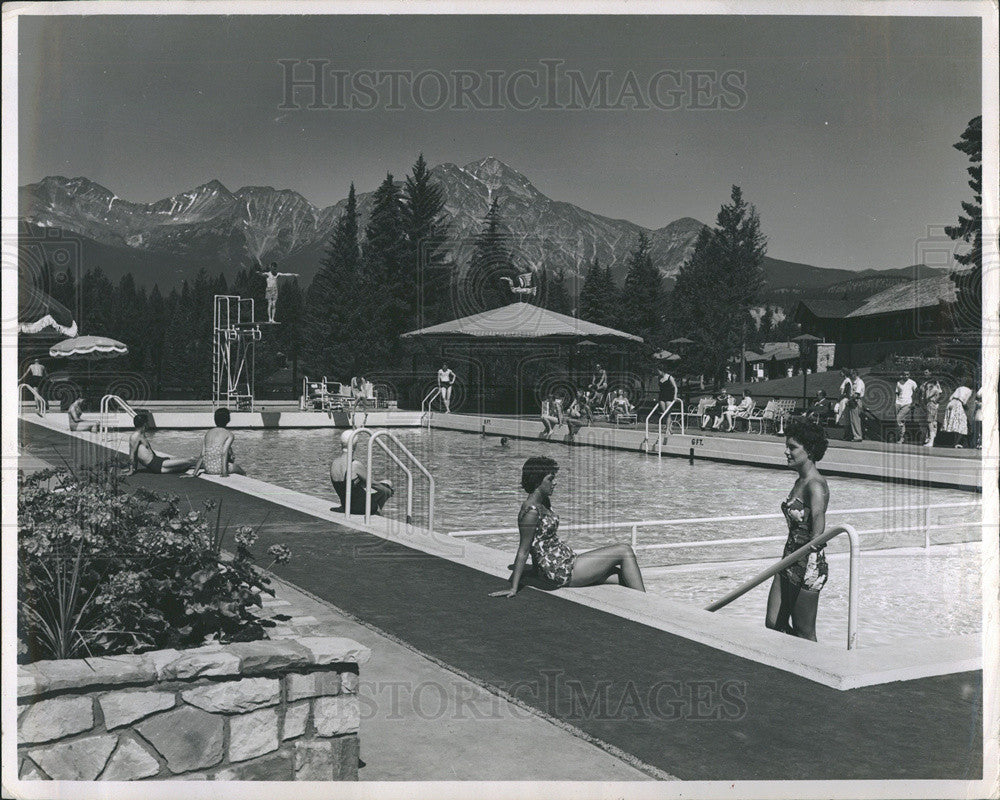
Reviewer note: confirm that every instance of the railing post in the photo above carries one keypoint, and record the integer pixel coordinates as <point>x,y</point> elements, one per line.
<point>635,536</point>
<point>853,587</point>
<point>927,528</point>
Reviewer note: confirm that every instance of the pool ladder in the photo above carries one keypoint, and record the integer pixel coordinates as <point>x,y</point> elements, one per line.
<point>41,404</point>
<point>377,438</point>
<point>426,410</point>
<point>104,420</point>
<point>669,414</point>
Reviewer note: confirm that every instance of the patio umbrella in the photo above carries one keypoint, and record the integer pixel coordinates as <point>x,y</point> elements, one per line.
<point>37,312</point>
<point>89,348</point>
<point>681,340</point>
<point>666,355</point>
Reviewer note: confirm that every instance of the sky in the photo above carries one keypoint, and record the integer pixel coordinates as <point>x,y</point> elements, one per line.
<point>839,130</point>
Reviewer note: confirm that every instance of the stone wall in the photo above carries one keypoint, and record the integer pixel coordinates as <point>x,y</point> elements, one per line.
<point>277,710</point>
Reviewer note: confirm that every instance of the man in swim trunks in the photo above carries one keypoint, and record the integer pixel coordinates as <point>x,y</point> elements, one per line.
<point>446,379</point>
<point>141,453</point>
<point>271,292</point>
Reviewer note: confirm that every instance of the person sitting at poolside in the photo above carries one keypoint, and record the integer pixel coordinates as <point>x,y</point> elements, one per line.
<point>552,416</point>
<point>381,490</point>
<point>821,412</point>
<point>217,450</point>
<point>741,411</point>
<point>141,453</point>
<point>538,526</point>
<point>76,420</point>
<point>620,405</point>
<point>578,416</point>
<point>716,413</point>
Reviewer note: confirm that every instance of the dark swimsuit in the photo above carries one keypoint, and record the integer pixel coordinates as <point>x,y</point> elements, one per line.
<point>667,393</point>
<point>357,494</point>
<point>810,573</point>
<point>155,465</point>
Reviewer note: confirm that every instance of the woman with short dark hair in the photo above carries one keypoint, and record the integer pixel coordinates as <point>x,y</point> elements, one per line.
<point>538,526</point>
<point>217,449</point>
<point>794,595</point>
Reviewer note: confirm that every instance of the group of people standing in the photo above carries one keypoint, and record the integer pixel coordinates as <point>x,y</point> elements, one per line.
<point>962,415</point>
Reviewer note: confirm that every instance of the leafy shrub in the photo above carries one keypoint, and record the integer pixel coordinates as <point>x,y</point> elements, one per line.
<point>103,571</point>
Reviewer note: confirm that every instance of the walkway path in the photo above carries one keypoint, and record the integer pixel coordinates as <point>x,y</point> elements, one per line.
<point>686,709</point>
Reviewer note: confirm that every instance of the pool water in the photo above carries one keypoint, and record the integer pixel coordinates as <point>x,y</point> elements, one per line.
<point>936,592</point>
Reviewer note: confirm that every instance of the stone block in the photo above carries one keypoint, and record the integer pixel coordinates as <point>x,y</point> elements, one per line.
<point>27,682</point>
<point>69,673</point>
<point>253,734</point>
<point>29,772</point>
<point>269,655</point>
<point>114,670</point>
<point>313,761</point>
<point>79,760</point>
<point>276,767</point>
<point>296,716</point>
<point>346,755</point>
<point>53,719</point>
<point>121,708</point>
<point>186,737</point>
<point>235,696</point>
<point>335,650</point>
<point>313,684</point>
<point>200,662</point>
<point>349,682</point>
<point>333,716</point>
<point>158,659</point>
<point>130,762</point>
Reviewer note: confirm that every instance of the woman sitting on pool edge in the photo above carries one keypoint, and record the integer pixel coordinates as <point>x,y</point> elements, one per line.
<point>794,595</point>
<point>553,559</point>
<point>140,451</point>
<point>217,450</point>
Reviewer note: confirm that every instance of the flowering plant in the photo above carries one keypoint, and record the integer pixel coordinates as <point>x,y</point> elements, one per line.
<point>103,571</point>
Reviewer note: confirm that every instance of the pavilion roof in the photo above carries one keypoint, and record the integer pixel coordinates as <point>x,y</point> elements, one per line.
<point>520,321</point>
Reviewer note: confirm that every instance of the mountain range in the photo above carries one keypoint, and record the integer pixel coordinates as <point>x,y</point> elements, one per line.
<point>212,227</point>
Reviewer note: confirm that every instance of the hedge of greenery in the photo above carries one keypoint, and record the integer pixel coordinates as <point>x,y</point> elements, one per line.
<point>105,570</point>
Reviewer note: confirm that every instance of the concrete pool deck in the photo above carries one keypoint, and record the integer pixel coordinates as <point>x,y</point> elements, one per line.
<point>603,661</point>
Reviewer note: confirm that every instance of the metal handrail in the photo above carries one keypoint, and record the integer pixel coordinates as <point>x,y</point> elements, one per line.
<point>426,403</point>
<point>41,404</point>
<point>105,413</point>
<point>774,569</point>
<point>416,463</point>
<point>374,439</point>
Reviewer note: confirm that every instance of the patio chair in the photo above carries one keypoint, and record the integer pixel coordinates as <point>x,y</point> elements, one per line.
<point>760,417</point>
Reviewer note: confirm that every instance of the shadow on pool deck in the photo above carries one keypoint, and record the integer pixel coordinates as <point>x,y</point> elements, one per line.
<point>685,708</point>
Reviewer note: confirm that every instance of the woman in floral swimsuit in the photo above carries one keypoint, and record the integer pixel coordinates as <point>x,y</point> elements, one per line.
<point>794,596</point>
<point>538,525</point>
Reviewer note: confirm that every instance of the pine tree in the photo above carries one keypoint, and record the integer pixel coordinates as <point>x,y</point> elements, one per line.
<point>427,233</point>
<point>642,300</point>
<point>970,230</point>
<point>599,296</point>
<point>479,287</point>
<point>717,285</point>
<point>557,292</point>
<point>388,288</point>
<point>289,335</point>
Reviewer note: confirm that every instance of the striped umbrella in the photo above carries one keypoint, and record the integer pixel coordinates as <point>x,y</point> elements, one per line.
<point>90,348</point>
<point>37,312</point>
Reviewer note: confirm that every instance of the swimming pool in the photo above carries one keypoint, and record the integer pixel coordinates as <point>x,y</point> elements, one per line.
<point>478,488</point>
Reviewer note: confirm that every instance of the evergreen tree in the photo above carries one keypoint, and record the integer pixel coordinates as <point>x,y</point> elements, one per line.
<point>156,327</point>
<point>557,292</point>
<point>479,287</point>
<point>290,312</point>
<point>96,309</point>
<point>388,288</point>
<point>599,296</point>
<point>427,234</point>
<point>717,285</point>
<point>970,230</point>
<point>642,302</point>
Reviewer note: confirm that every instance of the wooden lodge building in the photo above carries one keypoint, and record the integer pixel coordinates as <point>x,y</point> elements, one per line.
<point>913,318</point>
